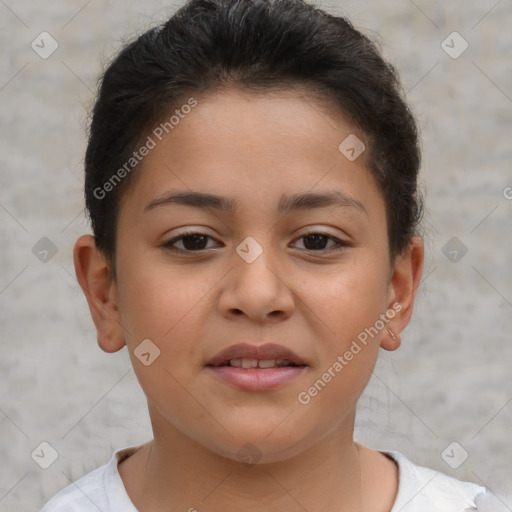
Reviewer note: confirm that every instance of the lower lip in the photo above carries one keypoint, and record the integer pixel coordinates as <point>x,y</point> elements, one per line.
<point>254,379</point>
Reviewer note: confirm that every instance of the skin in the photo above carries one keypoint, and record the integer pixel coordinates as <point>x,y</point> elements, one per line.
<point>252,148</point>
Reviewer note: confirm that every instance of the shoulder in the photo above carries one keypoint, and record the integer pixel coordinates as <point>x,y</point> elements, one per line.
<point>423,489</point>
<point>86,493</point>
<point>101,489</point>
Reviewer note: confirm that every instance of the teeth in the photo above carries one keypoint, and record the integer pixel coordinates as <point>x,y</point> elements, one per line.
<point>255,363</point>
<point>268,363</point>
<point>249,363</point>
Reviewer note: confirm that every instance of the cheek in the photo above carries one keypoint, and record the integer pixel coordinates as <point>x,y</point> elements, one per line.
<point>349,300</point>
<point>159,299</point>
<point>168,305</point>
<point>347,307</point>
<point>163,307</point>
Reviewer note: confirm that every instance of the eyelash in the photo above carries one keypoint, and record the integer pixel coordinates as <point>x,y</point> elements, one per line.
<point>339,243</point>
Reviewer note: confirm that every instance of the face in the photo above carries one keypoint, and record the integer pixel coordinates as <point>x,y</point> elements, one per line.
<point>311,275</point>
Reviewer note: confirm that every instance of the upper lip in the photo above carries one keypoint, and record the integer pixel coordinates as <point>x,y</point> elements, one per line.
<point>263,352</point>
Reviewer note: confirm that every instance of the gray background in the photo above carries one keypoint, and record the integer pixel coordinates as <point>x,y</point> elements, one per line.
<point>450,380</point>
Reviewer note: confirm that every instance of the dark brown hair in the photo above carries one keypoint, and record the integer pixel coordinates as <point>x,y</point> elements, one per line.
<point>254,45</point>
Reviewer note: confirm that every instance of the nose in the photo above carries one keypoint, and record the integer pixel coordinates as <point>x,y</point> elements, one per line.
<point>257,286</point>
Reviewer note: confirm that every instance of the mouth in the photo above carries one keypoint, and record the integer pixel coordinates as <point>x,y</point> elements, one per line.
<point>256,367</point>
<point>249,355</point>
<point>263,364</point>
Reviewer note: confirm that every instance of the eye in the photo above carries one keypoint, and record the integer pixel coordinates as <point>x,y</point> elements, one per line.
<point>195,242</point>
<point>316,242</point>
<point>192,242</point>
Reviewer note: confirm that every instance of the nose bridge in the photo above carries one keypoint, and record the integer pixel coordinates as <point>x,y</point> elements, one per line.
<point>251,250</point>
<point>257,288</point>
<point>258,258</point>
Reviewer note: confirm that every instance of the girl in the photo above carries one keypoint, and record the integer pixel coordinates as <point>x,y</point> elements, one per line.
<point>251,180</point>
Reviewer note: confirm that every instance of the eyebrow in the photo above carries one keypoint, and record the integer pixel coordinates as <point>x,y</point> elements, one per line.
<point>287,203</point>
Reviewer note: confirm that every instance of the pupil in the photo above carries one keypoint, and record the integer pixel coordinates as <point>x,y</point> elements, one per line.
<point>193,246</point>
<point>317,238</point>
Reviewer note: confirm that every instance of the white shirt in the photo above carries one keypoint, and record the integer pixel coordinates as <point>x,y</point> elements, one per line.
<point>420,489</point>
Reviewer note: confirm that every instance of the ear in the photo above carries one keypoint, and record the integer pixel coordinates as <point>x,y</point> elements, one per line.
<point>95,278</point>
<point>403,285</point>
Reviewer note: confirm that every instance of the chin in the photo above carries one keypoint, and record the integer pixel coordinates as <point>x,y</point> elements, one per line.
<point>267,444</point>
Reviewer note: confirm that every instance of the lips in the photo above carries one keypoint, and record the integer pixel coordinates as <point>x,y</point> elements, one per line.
<point>245,355</point>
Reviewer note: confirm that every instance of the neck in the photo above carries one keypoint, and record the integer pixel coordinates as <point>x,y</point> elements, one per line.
<point>176,473</point>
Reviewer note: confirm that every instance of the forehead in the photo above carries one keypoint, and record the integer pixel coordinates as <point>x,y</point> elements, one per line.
<point>257,146</point>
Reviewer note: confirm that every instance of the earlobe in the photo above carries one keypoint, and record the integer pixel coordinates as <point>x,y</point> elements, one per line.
<point>402,292</point>
<point>95,278</point>
<point>390,341</point>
